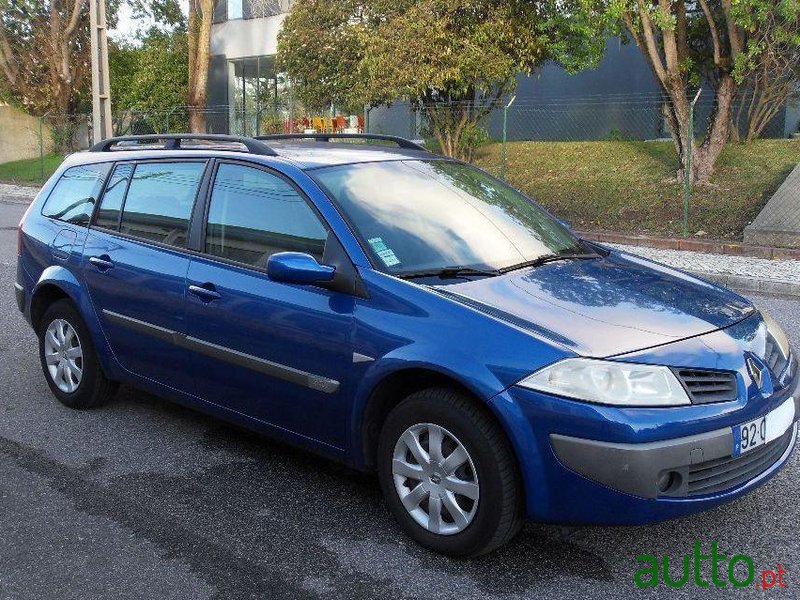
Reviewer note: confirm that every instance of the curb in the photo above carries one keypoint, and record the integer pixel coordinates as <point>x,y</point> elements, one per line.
<point>693,245</point>
<point>739,283</point>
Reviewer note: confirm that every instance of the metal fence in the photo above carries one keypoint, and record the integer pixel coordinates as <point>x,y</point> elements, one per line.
<point>599,163</point>
<point>610,164</point>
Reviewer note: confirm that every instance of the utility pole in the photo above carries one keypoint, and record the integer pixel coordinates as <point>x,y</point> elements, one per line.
<point>101,87</point>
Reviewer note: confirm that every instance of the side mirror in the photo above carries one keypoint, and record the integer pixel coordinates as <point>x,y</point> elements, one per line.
<point>298,267</point>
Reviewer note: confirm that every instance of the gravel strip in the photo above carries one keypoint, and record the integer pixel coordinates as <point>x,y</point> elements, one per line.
<point>702,262</point>
<point>22,194</point>
<point>742,273</point>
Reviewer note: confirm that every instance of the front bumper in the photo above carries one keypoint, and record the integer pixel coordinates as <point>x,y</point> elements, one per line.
<point>593,464</point>
<point>696,465</point>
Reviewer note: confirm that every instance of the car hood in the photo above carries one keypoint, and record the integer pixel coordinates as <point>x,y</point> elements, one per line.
<point>605,306</point>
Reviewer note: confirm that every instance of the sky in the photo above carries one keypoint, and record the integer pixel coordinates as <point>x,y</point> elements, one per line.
<point>127,26</point>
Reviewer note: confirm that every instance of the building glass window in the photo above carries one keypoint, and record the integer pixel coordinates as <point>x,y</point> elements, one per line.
<point>255,96</point>
<point>235,9</point>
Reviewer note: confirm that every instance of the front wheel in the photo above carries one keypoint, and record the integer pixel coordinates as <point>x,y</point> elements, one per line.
<point>448,474</point>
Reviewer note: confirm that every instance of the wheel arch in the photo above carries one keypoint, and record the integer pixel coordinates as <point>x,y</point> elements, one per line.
<point>56,283</point>
<point>393,387</point>
<point>59,283</point>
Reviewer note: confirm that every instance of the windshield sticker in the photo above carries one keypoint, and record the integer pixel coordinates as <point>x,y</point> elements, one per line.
<point>377,244</point>
<point>387,255</point>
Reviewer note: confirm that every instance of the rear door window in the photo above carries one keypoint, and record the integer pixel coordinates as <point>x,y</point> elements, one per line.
<point>111,204</point>
<point>159,201</point>
<point>74,196</point>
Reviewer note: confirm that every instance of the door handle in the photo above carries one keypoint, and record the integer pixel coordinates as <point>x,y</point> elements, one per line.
<point>206,294</point>
<point>103,263</point>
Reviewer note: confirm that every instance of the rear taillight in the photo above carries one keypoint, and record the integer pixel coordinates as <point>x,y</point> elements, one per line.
<point>19,239</point>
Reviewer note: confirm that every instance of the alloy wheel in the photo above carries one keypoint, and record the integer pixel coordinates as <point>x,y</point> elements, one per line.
<point>63,355</point>
<point>435,478</point>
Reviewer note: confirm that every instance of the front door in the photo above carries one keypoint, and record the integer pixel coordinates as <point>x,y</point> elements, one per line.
<point>135,266</point>
<point>275,351</point>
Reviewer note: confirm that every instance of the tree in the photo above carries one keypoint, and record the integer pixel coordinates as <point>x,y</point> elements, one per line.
<point>452,59</point>
<point>151,77</point>
<point>201,17</point>
<point>769,70</point>
<point>44,53</point>
<point>690,43</point>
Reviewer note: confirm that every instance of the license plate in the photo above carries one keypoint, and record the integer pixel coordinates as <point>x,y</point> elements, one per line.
<point>748,436</point>
<point>752,434</point>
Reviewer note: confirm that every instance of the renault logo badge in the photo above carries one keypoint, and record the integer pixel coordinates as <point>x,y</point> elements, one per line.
<point>756,372</point>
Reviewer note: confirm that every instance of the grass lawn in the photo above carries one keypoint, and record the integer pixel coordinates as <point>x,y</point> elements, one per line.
<point>630,187</point>
<point>30,170</point>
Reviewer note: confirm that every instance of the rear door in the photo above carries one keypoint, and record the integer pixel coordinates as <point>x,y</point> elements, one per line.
<point>135,263</point>
<point>275,351</point>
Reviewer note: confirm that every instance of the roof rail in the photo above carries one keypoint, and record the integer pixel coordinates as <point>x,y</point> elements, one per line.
<point>327,137</point>
<point>172,141</point>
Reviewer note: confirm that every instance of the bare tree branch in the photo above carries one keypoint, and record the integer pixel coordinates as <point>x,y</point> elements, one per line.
<point>649,40</point>
<point>714,32</point>
<point>74,18</point>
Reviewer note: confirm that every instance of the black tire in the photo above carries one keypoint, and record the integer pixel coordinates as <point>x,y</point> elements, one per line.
<point>94,389</point>
<point>499,513</point>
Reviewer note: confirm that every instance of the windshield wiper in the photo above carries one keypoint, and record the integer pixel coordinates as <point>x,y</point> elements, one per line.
<point>548,258</point>
<point>451,273</point>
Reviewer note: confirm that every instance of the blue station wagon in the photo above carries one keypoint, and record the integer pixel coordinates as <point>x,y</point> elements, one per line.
<point>406,314</point>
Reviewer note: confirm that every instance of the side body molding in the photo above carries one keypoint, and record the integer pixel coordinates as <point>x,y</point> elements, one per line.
<point>272,369</point>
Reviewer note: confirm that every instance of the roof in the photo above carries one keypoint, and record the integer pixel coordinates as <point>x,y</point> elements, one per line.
<point>313,155</point>
<point>304,151</point>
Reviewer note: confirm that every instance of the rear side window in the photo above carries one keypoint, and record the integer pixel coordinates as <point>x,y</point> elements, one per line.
<point>254,214</point>
<point>74,196</point>
<point>159,201</point>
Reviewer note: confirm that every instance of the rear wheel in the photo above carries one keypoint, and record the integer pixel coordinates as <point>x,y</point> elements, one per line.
<point>448,474</point>
<point>68,359</point>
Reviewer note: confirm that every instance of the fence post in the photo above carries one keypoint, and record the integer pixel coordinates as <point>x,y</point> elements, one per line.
<point>505,137</point>
<point>687,167</point>
<point>41,149</point>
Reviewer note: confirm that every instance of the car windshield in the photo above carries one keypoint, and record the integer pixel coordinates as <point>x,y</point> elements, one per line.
<point>420,216</point>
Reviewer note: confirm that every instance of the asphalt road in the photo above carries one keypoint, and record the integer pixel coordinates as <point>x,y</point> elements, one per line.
<point>143,499</point>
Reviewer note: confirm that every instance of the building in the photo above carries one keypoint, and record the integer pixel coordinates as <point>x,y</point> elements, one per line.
<point>618,98</point>
<point>243,83</point>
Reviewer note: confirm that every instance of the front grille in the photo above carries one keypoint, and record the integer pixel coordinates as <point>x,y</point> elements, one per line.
<point>775,359</point>
<point>728,472</point>
<point>708,386</point>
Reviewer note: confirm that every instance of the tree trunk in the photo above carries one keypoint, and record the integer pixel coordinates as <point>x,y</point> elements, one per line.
<point>718,132</point>
<point>201,15</point>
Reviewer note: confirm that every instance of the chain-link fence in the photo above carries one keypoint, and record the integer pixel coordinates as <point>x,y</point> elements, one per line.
<point>605,163</point>
<point>40,143</point>
<point>599,163</point>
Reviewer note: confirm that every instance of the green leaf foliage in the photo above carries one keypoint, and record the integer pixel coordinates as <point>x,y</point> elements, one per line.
<point>152,76</point>
<point>351,53</point>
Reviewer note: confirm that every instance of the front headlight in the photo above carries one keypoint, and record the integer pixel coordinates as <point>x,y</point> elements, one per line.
<point>607,382</point>
<point>776,332</point>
